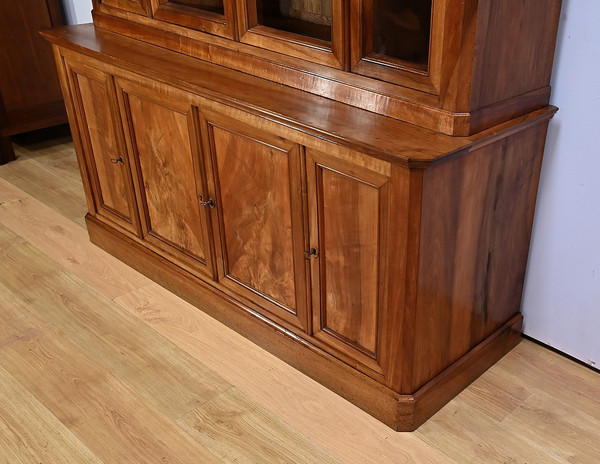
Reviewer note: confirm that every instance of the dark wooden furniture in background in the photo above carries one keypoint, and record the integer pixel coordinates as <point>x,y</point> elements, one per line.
<point>376,239</point>
<point>30,96</point>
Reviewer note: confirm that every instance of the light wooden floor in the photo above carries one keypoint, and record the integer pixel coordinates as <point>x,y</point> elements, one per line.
<point>99,364</point>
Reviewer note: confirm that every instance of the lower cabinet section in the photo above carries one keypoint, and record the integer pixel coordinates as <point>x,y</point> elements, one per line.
<point>393,282</point>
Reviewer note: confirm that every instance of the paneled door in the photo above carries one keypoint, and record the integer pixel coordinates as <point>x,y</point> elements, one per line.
<point>100,134</point>
<point>258,195</point>
<point>348,212</point>
<point>163,139</point>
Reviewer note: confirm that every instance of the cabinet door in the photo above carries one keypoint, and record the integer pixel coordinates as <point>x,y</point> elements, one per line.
<point>259,203</point>
<point>212,16</point>
<point>106,161</point>
<point>163,140</point>
<point>348,213</point>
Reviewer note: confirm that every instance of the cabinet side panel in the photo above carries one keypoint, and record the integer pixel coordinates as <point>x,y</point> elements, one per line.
<point>476,225</point>
<point>516,50</point>
<point>163,150</point>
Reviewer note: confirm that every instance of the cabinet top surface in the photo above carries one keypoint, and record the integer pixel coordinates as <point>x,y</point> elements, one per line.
<point>359,129</point>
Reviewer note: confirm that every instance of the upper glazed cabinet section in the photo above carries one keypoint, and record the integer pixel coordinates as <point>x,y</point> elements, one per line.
<point>393,35</point>
<point>452,66</point>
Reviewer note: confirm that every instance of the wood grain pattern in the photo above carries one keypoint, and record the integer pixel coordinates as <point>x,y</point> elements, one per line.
<point>97,407</point>
<point>111,181</point>
<point>47,183</point>
<point>469,429</point>
<point>469,436</point>
<point>473,59</point>
<point>268,380</point>
<point>261,218</point>
<point>16,317</point>
<point>238,151</point>
<point>348,212</point>
<point>120,342</point>
<point>167,181</point>
<point>39,438</point>
<point>55,236</point>
<point>243,431</point>
<point>501,70</point>
<point>476,225</point>
<point>541,414</point>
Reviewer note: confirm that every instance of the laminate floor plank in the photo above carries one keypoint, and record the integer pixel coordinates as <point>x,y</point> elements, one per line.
<point>554,375</point>
<point>239,430</point>
<point>16,317</point>
<point>569,434</point>
<point>496,395</point>
<point>55,154</point>
<point>65,242</point>
<point>332,423</point>
<point>105,414</point>
<point>469,436</point>
<point>61,192</point>
<point>29,433</point>
<point>166,376</point>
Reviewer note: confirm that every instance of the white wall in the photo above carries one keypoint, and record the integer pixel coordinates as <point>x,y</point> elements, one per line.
<point>78,11</point>
<point>561,302</point>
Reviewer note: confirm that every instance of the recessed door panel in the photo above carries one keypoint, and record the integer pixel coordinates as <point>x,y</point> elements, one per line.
<point>165,146</point>
<point>257,179</point>
<point>106,157</point>
<point>348,209</point>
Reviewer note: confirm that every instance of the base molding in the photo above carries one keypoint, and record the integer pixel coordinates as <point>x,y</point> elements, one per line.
<point>400,412</point>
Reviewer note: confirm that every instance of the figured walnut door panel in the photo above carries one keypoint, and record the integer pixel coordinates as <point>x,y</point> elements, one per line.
<point>106,159</point>
<point>257,184</point>
<point>164,142</point>
<point>348,213</point>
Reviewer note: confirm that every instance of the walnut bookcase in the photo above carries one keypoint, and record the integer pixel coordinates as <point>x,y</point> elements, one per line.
<point>357,204</point>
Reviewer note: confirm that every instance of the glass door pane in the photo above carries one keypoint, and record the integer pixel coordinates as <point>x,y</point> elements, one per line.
<point>391,40</point>
<point>310,18</point>
<point>401,30</point>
